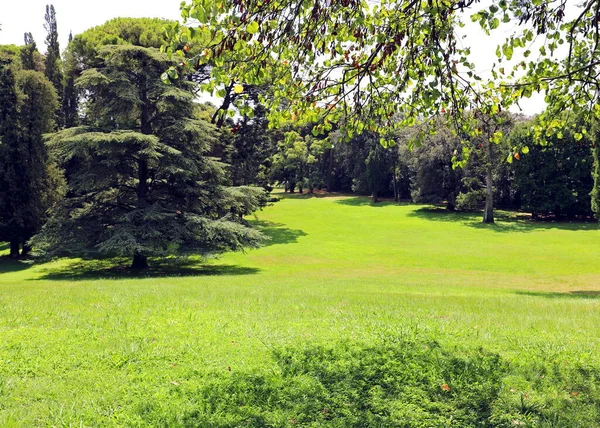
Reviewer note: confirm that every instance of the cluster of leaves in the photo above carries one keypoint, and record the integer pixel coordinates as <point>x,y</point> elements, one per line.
<point>344,62</point>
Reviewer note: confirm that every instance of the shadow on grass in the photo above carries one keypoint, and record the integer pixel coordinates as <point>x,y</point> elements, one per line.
<point>8,265</point>
<point>4,246</point>
<point>318,194</point>
<point>578,294</point>
<point>118,269</point>
<point>278,233</point>
<point>505,221</point>
<point>360,201</point>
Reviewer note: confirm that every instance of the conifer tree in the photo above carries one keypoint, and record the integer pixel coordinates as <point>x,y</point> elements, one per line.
<point>28,184</point>
<point>140,184</point>
<point>28,53</point>
<point>53,61</point>
<point>69,98</point>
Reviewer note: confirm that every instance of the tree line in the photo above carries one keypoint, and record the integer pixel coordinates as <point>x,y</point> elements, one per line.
<point>550,180</point>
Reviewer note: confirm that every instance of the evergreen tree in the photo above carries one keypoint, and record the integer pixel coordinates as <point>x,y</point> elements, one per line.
<point>53,61</point>
<point>140,184</point>
<point>28,184</point>
<point>69,98</point>
<point>28,53</point>
<point>9,136</point>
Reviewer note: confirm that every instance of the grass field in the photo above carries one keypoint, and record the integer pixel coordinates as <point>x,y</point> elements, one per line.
<point>351,315</point>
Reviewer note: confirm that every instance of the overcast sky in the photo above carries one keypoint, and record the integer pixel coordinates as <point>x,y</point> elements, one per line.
<point>19,16</point>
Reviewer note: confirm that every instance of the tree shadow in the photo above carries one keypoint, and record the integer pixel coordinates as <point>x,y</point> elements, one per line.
<point>506,221</point>
<point>360,201</point>
<point>578,294</point>
<point>277,233</point>
<point>116,269</point>
<point>8,265</point>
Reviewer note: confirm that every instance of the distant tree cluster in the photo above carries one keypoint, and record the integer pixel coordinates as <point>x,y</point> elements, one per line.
<point>554,179</point>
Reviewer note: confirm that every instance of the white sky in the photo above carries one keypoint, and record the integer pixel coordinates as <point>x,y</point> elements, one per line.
<point>19,16</point>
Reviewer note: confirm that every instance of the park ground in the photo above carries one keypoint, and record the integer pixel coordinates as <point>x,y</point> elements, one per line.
<point>352,314</point>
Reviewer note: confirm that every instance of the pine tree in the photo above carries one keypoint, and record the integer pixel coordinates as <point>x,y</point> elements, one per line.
<point>53,61</point>
<point>140,184</point>
<point>28,183</point>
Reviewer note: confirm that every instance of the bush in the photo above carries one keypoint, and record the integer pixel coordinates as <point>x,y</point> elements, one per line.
<point>471,200</point>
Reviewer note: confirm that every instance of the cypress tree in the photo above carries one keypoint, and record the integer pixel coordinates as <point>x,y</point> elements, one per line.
<point>28,53</point>
<point>69,98</point>
<point>27,106</point>
<point>53,61</point>
<point>9,136</point>
<point>140,183</point>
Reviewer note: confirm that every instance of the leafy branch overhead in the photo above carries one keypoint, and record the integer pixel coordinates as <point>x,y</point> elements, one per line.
<point>390,64</point>
<point>370,67</point>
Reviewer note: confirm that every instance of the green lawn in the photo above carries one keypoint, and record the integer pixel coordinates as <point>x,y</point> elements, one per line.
<point>351,315</point>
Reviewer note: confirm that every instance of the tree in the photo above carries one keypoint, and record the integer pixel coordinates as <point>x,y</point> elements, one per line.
<point>69,98</point>
<point>250,146</point>
<point>53,62</point>
<point>378,171</point>
<point>29,184</point>
<point>568,77</point>
<point>141,184</point>
<point>556,178</point>
<point>28,60</point>
<point>340,62</point>
<point>289,163</point>
<point>434,179</point>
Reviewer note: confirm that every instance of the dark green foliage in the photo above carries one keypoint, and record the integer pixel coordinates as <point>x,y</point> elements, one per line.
<point>555,179</point>
<point>9,141</point>
<point>595,193</point>
<point>140,183</point>
<point>251,145</point>
<point>434,178</point>
<point>28,53</point>
<point>53,62</point>
<point>28,184</point>
<point>69,99</point>
<point>378,170</point>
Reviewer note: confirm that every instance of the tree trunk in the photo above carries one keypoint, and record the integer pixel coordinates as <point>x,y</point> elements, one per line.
<point>395,178</point>
<point>330,175</point>
<point>26,250</point>
<point>14,249</point>
<point>375,198</point>
<point>488,215</point>
<point>139,262</point>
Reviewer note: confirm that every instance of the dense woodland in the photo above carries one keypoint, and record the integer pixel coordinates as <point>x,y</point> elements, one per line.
<point>108,149</point>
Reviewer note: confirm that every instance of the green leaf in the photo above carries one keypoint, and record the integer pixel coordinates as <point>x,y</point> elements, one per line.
<point>252,28</point>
